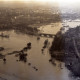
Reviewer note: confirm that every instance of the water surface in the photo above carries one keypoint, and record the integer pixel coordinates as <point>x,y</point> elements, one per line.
<point>18,70</point>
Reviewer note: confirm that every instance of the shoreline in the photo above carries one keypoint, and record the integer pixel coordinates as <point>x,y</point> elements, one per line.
<point>63,49</point>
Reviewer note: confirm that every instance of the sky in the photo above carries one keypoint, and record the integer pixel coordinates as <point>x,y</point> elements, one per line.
<point>60,2</point>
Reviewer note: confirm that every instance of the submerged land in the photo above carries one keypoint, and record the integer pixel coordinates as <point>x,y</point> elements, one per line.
<point>17,22</point>
<point>26,18</point>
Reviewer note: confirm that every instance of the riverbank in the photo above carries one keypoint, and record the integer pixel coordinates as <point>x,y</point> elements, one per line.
<point>66,47</point>
<point>46,30</point>
<point>57,48</point>
<point>72,50</point>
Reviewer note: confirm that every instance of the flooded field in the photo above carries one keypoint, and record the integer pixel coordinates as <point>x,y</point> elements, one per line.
<point>14,69</point>
<point>73,23</point>
<point>52,28</point>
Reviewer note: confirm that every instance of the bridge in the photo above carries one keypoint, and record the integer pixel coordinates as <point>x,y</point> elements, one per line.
<point>46,35</point>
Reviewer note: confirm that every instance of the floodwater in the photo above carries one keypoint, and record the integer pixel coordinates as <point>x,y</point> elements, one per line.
<point>73,23</point>
<point>52,28</point>
<point>19,70</point>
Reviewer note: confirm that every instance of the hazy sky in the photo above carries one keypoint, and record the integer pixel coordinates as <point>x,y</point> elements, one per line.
<point>67,3</point>
<point>60,1</point>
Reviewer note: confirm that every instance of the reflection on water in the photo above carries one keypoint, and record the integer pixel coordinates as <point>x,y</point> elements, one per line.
<point>37,66</point>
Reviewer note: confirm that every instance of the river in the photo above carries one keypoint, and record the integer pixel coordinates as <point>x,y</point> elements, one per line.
<point>18,70</point>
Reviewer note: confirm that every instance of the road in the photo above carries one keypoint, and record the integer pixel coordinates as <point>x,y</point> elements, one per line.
<point>76,50</point>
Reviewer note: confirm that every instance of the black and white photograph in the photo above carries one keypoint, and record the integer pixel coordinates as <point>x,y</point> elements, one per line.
<point>39,39</point>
